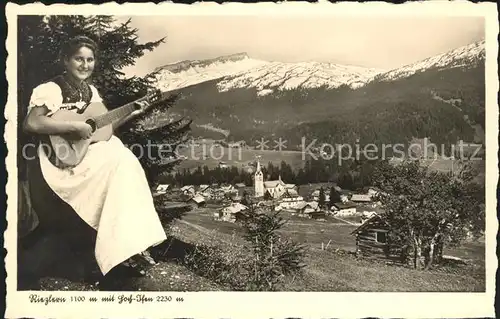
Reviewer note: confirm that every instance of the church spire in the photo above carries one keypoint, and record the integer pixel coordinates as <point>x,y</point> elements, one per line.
<point>259,181</point>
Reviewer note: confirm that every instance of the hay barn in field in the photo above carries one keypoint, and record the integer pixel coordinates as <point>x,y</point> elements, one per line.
<point>371,237</point>
<point>197,201</point>
<point>232,213</point>
<point>372,241</point>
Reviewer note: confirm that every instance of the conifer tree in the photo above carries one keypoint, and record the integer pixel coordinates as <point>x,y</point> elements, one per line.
<point>322,198</point>
<point>39,41</point>
<point>334,196</point>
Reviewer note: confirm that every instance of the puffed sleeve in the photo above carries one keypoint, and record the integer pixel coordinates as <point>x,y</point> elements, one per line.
<point>95,95</point>
<point>48,94</point>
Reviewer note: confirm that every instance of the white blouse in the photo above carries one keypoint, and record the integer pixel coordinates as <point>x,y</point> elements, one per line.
<point>50,95</point>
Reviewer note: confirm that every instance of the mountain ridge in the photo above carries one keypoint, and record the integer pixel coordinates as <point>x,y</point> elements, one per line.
<point>184,64</point>
<point>461,56</point>
<point>239,70</point>
<point>384,110</point>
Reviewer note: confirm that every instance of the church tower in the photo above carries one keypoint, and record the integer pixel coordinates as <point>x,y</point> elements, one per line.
<point>259,181</point>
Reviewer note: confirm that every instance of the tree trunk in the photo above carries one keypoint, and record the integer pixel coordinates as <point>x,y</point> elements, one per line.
<point>417,250</point>
<point>430,261</point>
<point>432,251</point>
<point>438,255</point>
<point>418,256</point>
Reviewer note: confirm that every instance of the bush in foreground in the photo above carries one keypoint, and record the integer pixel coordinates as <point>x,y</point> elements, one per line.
<point>260,264</point>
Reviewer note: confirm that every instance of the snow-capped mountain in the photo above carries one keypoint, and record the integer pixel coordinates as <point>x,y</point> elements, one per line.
<point>186,73</point>
<point>420,97</point>
<point>465,56</point>
<point>240,71</point>
<point>281,76</point>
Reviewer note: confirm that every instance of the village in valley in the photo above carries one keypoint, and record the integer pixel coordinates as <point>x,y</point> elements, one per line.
<point>325,203</point>
<point>228,201</point>
<point>323,216</point>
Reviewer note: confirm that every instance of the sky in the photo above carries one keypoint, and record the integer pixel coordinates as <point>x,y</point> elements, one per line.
<point>383,43</point>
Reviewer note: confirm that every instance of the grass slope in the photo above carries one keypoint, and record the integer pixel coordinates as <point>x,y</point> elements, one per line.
<point>332,269</point>
<point>335,269</point>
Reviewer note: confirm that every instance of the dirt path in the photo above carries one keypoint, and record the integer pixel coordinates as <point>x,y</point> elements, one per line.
<point>197,227</point>
<point>345,221</point>
<point>211,233</point>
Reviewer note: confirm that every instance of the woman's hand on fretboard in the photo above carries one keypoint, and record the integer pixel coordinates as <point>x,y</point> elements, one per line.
<point>143,105</point>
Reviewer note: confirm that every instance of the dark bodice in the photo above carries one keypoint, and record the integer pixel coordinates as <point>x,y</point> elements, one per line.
<point>72,91</point>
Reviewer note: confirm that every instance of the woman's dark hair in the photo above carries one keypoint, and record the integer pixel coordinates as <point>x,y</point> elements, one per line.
<point>74,44</point>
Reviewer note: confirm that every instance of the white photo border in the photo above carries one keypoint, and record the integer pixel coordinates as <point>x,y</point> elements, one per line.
<point>253,304</point>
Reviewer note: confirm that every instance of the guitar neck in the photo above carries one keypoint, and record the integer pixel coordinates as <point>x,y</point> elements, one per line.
<point>122,111</point>
<point>115,115</point>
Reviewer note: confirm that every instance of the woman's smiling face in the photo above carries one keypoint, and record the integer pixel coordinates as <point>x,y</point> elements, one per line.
<point>81,64</point>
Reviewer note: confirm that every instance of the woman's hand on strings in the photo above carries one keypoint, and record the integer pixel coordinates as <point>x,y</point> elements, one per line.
<point>82,130</point>
<point>143,105</point>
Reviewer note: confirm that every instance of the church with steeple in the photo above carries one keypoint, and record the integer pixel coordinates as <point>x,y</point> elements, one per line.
<point>259,181</point>
<point>272,189</point>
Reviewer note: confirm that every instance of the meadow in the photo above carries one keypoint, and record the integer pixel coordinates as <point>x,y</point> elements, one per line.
<point>331,264</point>
<point>210,154</point>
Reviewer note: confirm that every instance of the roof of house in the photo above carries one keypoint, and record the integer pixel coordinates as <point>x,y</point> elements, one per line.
<point>239,206</point>
<point>235,208</point>
<point>301,205</point>
<point>198,199</point>
<point>240,185</point>
<point>183,188</point>
<point>344,205</point>
<point>273,184</point>
<point>361,198</point>
<point>292,193</point>
<point>264,203</point>
<point>313,205</point>
<point>316,212</point>
<point>162,187</point>
<point>374,218</point>
<point>368,214</point>
<point>316,194</point>
<point>273,194</point>
<point>230,209</point>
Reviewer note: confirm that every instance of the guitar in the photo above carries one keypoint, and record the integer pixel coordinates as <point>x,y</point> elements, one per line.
<point>68,151</point>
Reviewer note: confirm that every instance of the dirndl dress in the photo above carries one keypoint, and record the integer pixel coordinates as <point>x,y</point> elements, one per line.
<point>108,190</point>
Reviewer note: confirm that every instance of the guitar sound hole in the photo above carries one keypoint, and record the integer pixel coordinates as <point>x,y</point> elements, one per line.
<point>92,124</point>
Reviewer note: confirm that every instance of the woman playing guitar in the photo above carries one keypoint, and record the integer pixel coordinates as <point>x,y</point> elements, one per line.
<point>108,188</point>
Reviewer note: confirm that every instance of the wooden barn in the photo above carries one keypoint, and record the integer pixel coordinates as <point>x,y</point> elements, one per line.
<point>371,238</point>
<point>317,215</point>
<point>197,201</point>
<point>372,241</point>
